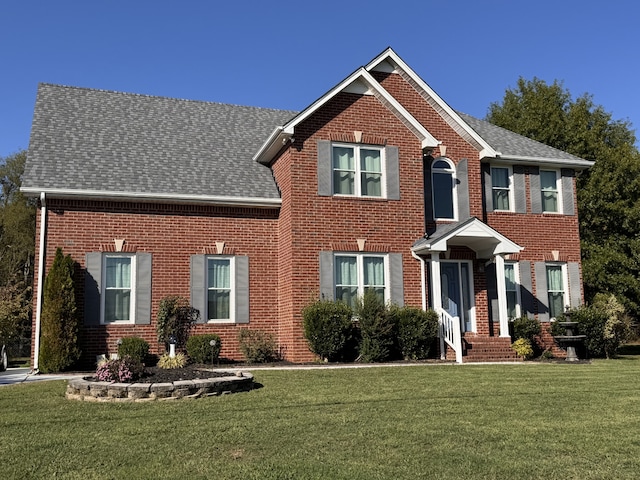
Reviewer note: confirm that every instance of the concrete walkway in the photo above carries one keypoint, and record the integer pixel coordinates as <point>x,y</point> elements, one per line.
<point>13,376</point>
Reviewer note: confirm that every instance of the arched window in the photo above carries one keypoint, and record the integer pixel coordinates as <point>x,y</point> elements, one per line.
<point>443,184</point>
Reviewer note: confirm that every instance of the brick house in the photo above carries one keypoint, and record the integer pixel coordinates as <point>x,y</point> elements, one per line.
<point>252,213</point>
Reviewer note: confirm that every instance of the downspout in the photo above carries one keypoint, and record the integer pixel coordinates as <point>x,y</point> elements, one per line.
<point>40,292</point>
<point>422,279</point>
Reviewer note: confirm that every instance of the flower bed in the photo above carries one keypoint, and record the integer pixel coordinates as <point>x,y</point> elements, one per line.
<point>88,390</point>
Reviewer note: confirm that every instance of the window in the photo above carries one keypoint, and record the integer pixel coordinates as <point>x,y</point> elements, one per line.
<point>119,288</point>
<point>219,289</point>
<point>556,289</point>
<point>501,188</point>
<point>356,273</point>
<point>358,171</point>
<point>513,292</point>
<point>550,191</point>
<point>443,188</point>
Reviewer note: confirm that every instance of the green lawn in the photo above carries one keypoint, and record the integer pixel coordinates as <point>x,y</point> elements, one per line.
<point>439,421</point>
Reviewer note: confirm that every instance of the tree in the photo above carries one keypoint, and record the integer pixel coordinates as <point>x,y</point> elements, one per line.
<point>17,236</point>
<point>608,193</point>
<point>59,339</point>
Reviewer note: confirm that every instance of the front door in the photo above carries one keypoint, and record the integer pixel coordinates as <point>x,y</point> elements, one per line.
<point>456,285</point>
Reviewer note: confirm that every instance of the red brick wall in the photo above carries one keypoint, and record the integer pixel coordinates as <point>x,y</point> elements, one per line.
<point>171,234</point>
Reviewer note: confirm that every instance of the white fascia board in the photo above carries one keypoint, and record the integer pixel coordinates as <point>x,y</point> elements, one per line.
<point>578,163</point>
<point>486,151</point>
<point>257,202</point>
<point>281,134</point>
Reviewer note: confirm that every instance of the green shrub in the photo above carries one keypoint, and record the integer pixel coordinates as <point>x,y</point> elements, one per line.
<point>135,348</point>
<point>166,362</point>
<point>200,350</point>
<point>417,331</point>
<point>257,346</point>
<point>523,348</point>
<point>175,319</point>
<point>59,338</point>
<point>525,327</point>
<point>327,328</point>
<point>377,328</point>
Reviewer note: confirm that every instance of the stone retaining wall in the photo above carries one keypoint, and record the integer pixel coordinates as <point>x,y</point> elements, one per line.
<point>87,390</point>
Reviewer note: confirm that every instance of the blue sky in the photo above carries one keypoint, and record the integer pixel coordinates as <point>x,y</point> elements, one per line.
<point>286,54</point>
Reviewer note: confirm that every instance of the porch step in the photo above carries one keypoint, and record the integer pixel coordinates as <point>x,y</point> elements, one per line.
<point>487,349</point>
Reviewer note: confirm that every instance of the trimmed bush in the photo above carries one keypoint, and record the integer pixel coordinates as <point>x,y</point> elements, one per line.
<point>327,328</point>
<point>523,348</point>
<point>175,319</point>
<point>417,331</point>
<point>59,340</point>
<point>135,348</point>
<point>257,346</point>
<point>200,350</point>
<point>528,328</point>
<point>377,327</point>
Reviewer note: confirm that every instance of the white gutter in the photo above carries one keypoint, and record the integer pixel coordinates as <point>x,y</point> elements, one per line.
<point>552,162</point>
<point>158,197</point>
<point>40,292</point>
<point>422,280</point>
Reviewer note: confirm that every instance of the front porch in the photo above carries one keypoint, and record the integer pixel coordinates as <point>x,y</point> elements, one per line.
<point>465,263</point>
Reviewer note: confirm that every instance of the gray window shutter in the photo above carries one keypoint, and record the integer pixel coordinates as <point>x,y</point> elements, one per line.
<point>527,300</point>
<point>327,287</point>
<point>428,194</point>
<point>536,193</point>
<point>242,289</point>
<point>393,173</point>
<point>568,207</point>
<point>541,291</point>
<point>462,189</point>
<point>492,293</point>
<point>575,290</point>
<point>143,289</point>
<point>324,168</point>
<point>198,287</point>
<point>488,192</point>
<point>92,288</point>
<point>396,280</point>
<point>519,191</point>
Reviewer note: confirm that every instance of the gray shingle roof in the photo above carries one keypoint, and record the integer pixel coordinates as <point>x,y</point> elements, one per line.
<point>95,140</point>
<point>513,145</point>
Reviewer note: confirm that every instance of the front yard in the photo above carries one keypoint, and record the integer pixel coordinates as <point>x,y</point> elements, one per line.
<point>534,420</point>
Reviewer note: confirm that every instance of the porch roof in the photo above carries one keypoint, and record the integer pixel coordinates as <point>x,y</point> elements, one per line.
<point>471,233</point>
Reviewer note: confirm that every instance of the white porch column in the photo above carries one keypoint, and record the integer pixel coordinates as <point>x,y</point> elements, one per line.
<point>502,296</point>
<point>436,289</point>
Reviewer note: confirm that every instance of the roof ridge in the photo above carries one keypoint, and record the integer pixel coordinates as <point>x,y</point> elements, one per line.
<point>163,97</point>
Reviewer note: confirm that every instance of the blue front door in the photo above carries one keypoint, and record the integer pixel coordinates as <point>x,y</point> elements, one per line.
<point>455,283</point>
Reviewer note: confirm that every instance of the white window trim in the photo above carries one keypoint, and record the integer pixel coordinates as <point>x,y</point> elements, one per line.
<point>558,191</point>
<point>510,188</point>
<point>357,188</point>
<point>516,275</point>
<point>454,188</point>
<point>565,285</point>
<point>232,288</point>
<point>132,305</point>
<point>360,272</point>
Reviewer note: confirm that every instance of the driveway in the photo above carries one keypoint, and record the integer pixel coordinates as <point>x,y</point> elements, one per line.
<point>13,376</point>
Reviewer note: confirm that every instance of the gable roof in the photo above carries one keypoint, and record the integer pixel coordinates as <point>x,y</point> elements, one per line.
<point>360,82</point>
<point>95,144</point>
